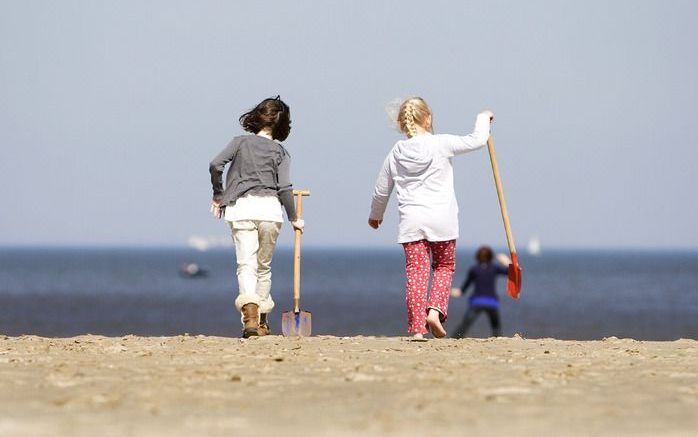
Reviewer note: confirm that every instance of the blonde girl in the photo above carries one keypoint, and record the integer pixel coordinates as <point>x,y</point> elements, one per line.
<point>420,169</point>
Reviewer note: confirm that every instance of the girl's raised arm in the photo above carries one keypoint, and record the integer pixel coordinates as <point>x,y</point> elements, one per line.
<point>457,145</point>
<point>382,190</point>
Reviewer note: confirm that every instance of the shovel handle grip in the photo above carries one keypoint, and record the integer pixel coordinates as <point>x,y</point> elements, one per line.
<point>500,195</point>
<point>297,251</point>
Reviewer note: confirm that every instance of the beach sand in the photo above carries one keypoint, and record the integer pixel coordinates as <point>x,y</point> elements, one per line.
<point>199,385</point>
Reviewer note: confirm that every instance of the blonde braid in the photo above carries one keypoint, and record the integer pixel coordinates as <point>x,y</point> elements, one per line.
<point>413,111</point>
<point>407,119</point>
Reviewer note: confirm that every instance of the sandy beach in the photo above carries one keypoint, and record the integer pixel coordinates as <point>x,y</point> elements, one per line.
<point>198,385</point>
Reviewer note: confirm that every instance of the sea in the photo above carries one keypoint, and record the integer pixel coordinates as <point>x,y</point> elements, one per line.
<point>566,294</point>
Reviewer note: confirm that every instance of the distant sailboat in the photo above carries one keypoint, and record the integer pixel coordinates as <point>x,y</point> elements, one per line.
<point>204,243</point>
<point>533,246</point>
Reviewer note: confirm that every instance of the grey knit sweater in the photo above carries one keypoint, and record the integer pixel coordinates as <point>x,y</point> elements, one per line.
<point>258,166</point>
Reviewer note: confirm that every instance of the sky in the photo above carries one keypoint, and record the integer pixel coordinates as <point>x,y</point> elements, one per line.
<point>111,111</point>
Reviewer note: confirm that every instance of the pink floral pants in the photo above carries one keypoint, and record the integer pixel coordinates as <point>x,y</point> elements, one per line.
<point>418,267</point>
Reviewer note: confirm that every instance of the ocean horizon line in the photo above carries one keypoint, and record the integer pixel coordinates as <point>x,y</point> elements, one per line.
<point>340,248</point>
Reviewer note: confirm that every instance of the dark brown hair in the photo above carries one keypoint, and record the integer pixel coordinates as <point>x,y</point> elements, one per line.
<point>270,113</point>
<point>484,255</point>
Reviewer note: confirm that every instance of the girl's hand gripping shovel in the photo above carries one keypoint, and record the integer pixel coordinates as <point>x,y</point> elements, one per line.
<point>297,323</point>
<point>514,282</point>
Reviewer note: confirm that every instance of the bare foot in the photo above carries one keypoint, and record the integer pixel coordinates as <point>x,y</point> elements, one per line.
<point>434,322</point>
<point>418,337</point>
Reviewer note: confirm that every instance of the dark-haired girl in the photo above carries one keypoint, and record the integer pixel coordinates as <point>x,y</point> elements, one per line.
<point>483,276</point>
<point>257,184</point>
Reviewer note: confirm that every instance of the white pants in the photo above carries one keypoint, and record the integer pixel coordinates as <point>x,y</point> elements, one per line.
<point>255,241</point>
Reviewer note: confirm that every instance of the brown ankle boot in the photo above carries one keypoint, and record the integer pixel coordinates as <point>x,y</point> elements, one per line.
<point>263,325</point>
<point>250,320</point>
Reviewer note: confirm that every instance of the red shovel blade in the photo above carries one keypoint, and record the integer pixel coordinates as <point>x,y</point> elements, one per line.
<point>514,282</point>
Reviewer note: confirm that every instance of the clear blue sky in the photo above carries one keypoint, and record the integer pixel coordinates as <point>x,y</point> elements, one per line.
<point>111,111</point>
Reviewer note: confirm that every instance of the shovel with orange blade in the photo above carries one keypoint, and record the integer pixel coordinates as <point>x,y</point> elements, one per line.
<point>514,274</point>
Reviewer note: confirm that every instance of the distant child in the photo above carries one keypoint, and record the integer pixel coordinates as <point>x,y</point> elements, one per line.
<point>256,185</point>
<point>420,168</point>
<point>483,276</point>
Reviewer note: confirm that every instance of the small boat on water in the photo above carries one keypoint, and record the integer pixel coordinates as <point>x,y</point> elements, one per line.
<point>192,270</point>
<point>533,246</point>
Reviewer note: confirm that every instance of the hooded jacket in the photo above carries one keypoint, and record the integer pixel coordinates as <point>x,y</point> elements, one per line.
<point>420,169</point>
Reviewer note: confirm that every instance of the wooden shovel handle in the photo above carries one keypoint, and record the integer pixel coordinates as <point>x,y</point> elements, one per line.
<point>297,251</point>
<point>500,195</point>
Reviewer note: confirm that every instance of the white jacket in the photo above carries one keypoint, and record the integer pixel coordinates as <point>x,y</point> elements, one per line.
<point>421,170</point>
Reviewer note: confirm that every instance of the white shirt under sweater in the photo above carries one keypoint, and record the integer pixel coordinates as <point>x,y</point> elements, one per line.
<point>250,207</point>
<point>421,171</point>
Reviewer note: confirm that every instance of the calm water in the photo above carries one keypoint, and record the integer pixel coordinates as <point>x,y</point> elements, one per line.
<point>570,295</point>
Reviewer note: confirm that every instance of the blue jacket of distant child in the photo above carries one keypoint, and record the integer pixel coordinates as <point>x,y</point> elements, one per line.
<point>483,277</point>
